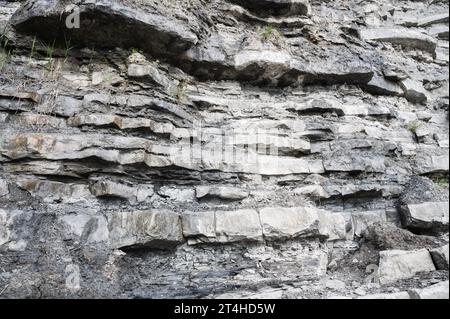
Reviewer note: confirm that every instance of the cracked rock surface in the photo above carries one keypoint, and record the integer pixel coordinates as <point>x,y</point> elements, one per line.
<point>224,149</point>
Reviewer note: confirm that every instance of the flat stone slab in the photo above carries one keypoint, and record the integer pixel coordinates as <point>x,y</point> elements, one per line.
<point>284,223</point>
<point>404,37</point>
<point>151,229</point>
<point>221,192</point>
<point>426,217</point>
<point>438,291</point>
<point>222,227</point>
<point>433,19</point>
<point>396,265</point>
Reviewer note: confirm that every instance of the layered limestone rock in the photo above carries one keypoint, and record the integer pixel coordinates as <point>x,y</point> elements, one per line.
<point>223,149</point>
<point>396,265</point>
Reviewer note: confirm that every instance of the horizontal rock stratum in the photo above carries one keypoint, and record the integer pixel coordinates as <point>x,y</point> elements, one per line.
<point>235,149</point>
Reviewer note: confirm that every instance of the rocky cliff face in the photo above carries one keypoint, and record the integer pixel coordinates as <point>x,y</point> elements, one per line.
<point>224,148</point>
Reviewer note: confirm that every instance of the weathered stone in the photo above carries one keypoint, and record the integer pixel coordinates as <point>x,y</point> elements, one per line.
<point>141,70</point>
<point>111,189</point>
<point>379,85</point>
<point>334,226</point>
<point>269,65</point>
<point>208,112</point>
<point>12,235</point>
<point>437,291</point>
<point>398,295</point>
<point>5,232</point>
<point>199,227</point>
<point>277,7</point>
<point>426,217</point>
<point>426,164</point>
<point>414,91</point>
<point>176,194</point>
<point>283,223</point>
<point>397,264</point>
<point>86,228</point>
<point>221,192</point>
<point>440,31</point>
<point>50,192</point>
<point>4,190</point>
<point>441,257</point>
<point>313,191</point>
<point>355,163</point>
<point>433,19</point>
<point>241,225</point>
<point>406,38</point>
<point>152,229</point>
<point>363,220</point>
<point>335,68</point>
<point>222,227</point>
<point>116,24</point>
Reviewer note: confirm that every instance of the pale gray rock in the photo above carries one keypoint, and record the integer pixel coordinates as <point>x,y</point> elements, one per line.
<point>4,190</point>
<point>143,71</point>
<point>404,37</point>
<point>363,220</point>
<point>50,192</point>
<point>429,163</point>
<point>221,192</point>
<point>152,229</point>
<point>437,291</point>
<point>11,236</point>
<point>433,19</point>
<point>134,194</point>
<point>396,265</point>
<point>241,225</point>
<point>5,232</point>
<point>414,91</point>
<point>282,223</point>
<point>87,228</point>
<point>182,149</point>
<point>426,217</point>
<point>199,227</point>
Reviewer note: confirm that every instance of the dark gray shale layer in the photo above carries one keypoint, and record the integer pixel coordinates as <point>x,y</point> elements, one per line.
<point>224,149</point>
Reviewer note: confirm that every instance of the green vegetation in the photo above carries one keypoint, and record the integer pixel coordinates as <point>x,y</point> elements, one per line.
<point>33,49</point>
<point>50,51</point>
<point>270,33</point>
<point>181,92</point>
<point>442,182</point>
<point>136,50</point>
<point>5,53</point>
<point>67,50</point>
<point>414,126</point>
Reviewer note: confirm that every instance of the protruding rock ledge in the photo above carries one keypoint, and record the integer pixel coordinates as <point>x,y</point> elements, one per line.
<point>106,23</point>
<point>271,223</point>
<point>431,217</point>
<point>406,38</point>
<point>276,7</point>
<point>145,229</point>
